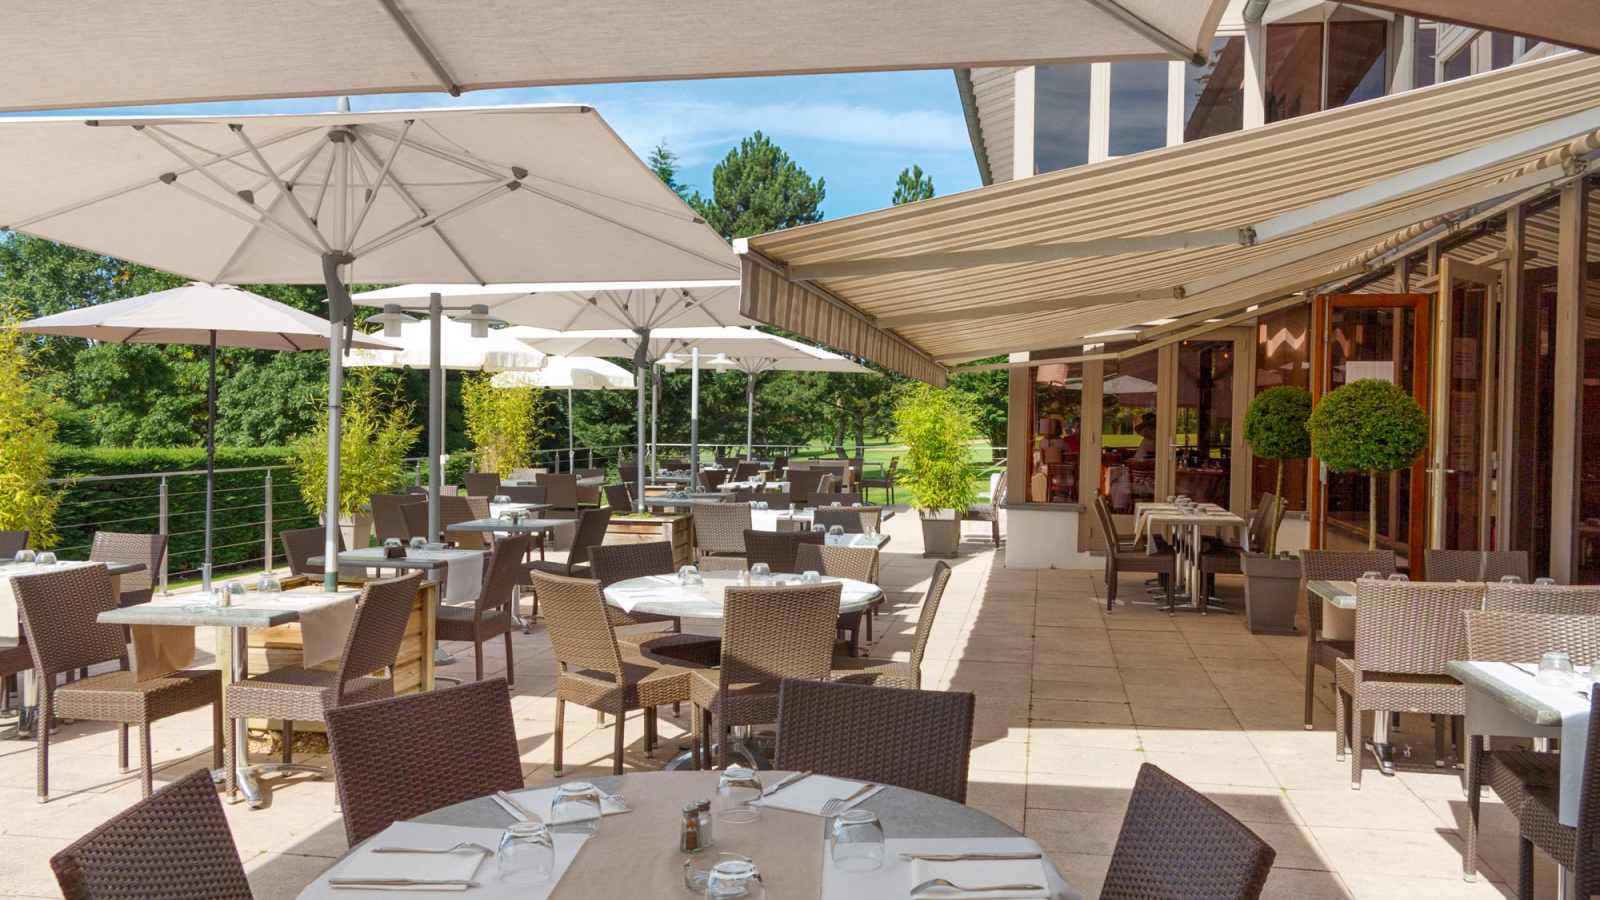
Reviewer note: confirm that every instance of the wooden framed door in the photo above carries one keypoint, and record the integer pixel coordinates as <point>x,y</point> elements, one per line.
<point>1464,415</point>
<point>1358,336</point>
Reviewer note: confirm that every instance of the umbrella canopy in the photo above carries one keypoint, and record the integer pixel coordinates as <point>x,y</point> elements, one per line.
<point>570,373</point>
<point>582,306</point>
<point>731,342</point>
<point>458,350</point>
<point>187,50</point>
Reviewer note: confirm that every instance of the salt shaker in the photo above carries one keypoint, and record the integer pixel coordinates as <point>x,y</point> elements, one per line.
<point>706,837</point>
<point>689,834</point>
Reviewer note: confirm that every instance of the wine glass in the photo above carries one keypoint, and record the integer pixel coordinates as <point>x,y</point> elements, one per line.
<point>576,809</point>
<point>856,841</point>
<point>1555,669</point>
<point>527,854</point>
<point>737,787</point>
<point>811,576</point>
<point>417,543</point>
<point>46,558</point>
<point>735,880</point>
<point>23,556</point>
<point>269,584</point>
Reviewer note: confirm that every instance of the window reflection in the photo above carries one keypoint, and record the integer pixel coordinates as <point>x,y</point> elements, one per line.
<point>1057,432</point>
<point>1422,60</point>
<point>1458,66</point>
<point>1128,430</point>
<point>1138,107</point>
<point>1502,51</point>
<point>1357,61</point>
<point>1204,435</point>
<point>1060,117</point>
<point>1213,94</point>
<point>1283,356</point>
<point>1294,71</point>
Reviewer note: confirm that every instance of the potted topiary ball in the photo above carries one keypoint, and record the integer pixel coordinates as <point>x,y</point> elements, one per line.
<point>936,427</point>
<point>1275,428</point>
<point>1371,427</point>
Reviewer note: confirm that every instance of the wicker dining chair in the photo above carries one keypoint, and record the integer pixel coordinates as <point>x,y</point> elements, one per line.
<point>490,615</point>
<point>919,740</point>
<point>398,758</point>
<point>415,515</point>
<point>1121,557</point>
<point>388,521</point>
<point>60,611</point>
<point>1332,565</point>
<point>1474,565</point>
<point>619,562</point>
<point>778,548</point>
<point>618,498</point>
<point>719,527</point>
<point>1495,635</point>
<point>11,542</point>
<point>591,532</point>
<point>855,563</point>
<point>172,845</point>
<point>150,550</point>
<point>989,510</point>
<point>561,493</point>
<point>591,670</point>
<point>711,479</point>
<point>1175,843</point>
<point>14,660</point>
<point>722,564</point>
<point>768,634</point>
<point>455,510</point>
<point>1219,558</point>
<point>1555,599</point>
<point>1538,824</point>
<point>300,544</point>
<point>481,484</point>
<point>1406,631</point>
<point>295,693</point>
<point>804,482</point>
<point>853,519</point>
<point>886,483</point>
<point>899,673</point>
<point>744,470</point>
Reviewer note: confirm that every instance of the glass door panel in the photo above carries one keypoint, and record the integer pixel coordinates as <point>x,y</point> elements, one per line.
<point>1464,442</point>
<point>1203,440</point>
<point>1128,430</point>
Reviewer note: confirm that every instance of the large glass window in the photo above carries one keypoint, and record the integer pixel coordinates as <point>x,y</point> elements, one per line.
<point>1057,417</point>
<point>1422,60</point>
<point>1060,117</point>
<point>1459,65</point>
<point>1138,107</point>
<point>1294,70</point>
<point>1204,434</point>
<point>1283,356</point>
<point>1357,61</point>
<point>1526,461</point>
<point>1502,50</point>
<point>1213,94</point>
<point>1128,430</point>
<point>1354,67</point>
<point>1586,543</point>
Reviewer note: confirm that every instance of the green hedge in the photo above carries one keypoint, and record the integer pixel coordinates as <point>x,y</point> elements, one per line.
<point>133,505</point>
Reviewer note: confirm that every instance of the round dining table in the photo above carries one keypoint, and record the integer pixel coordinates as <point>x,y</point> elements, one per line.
<point>661,595</point>
<point>635,854</point>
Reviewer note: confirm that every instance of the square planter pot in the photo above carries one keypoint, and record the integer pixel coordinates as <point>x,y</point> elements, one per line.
<point>1271,592</point>
<point>357,529</point>
<point>941,533</point>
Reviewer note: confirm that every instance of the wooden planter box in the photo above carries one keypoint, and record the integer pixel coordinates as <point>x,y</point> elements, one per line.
<point>675,527</point>
<point>271,648</point>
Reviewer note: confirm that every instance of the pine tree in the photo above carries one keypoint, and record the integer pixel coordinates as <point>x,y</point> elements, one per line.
<point>757,188</point>
<point>912,186</point>
<point>666,166</point>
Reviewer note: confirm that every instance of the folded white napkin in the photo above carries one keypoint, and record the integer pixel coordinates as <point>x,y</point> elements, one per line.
<point>463,864</point>
<point>628,598</point>
<point>809,794</point>
<point>540,801</point>
<point>898,875</point>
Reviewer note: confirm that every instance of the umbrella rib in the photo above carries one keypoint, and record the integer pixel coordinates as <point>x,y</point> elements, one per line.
<point>304,163</point>
<point>383,173</point>
<point>261,221</point>
<point>694,306</point>
<point>407,230</point>
<point>283,189</point>
<point>365,150</point>
<point>419,44</point>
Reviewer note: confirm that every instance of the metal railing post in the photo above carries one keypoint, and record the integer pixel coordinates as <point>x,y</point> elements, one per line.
<point>266,526</point>
<point>162,529</point>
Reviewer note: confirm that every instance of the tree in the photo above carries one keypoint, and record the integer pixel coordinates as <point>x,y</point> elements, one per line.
<point>665,164</point>
<point>989,394</point>
<point>505,424</point>
<point>757,188</point>
<point>375,435</point>
<point>27,428</point>
<point>1371,427</point>
<point>935,425</point>
<point>912,186</point>
<point>1275,428</point>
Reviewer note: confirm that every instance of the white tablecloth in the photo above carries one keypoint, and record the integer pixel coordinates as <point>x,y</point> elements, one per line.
<point>10,612</point>
<point>412,834</point>
<point>1574,708</point>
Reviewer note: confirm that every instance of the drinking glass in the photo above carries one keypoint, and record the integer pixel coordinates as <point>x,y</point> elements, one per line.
<point>689,576</point>
<point>737,787</point>
<point>46,558</point>
<point>234,589</point>
<point>1510,579</point>
<point>835,503</point>
<point>760,573</point>
<point>870,530</point>
<point>269,584</point>
<point>835,531</point>
<point>1371,575</point>
<point>1555,669</point>
<point>502,498</point>
<point>418,542</point>
<point>1544,581</point>
<point>576,809</point>
<point>527,854</point>
<point>1398,576</point>
<point>811,576</point>
<point>697,869</point>
<point>820,528</point>
<point>856,841</point>
<point>762,505</point>
<point>794,508</point>
<point>858,503</point>
<point>23,556</point>
<point>735,880</point>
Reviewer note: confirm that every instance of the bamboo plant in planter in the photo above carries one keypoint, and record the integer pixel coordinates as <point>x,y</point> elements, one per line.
<point>936,426</point>
<point>375,434</point>
<point>1369,426</point>
<point>1275,428</point>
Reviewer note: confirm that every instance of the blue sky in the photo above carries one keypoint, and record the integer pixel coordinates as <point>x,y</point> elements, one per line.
<point>857,131</point>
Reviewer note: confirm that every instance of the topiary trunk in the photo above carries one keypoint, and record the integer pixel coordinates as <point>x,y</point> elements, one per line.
<point>1372,510</point>
<point>1272,533</point>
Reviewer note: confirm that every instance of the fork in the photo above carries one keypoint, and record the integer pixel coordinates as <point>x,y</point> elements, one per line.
<point>621,802</point>
<point>837,804</point>
<point>464,845</point>
<point>940,882</point>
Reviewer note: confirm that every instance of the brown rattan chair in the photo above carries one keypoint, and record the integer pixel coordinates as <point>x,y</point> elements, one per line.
<point>722,564</point>
<point>561,493</point>
<point>773,499</point>
<point>744,470</point>
<point>719,527</point>
<point>524,493</point>
<point>591,669</point>
<point>1406,631</point>
<point>149,550</point>
<point>11,542</point>
<point>618,498</point>
<point>301,544</point>
<point>1176,843</point>
<point>589,473</point>
<point>619,562</point>
<point>896,673</point>
<point>1554,599</point>
<point>173,845</point>
<point>855,563</point>
<point>398,758</point>
<point>490,616</point>
<point>778,548</point>
<point>1332,565</point>
<point>295,693</point>
<point>1120,557</point>
<point>60,612</point>
<point>920,740</point>
<point>804,482</point>
<point>886,483</point>
<point>768,634</point>
<point>989,510</point>
<point>853,519</point>
<point>1575,849</point>
<point>1223,558</point>
<point>780,464</point>
<point>388,521</point>
<point>1474,565</point>
<point>711,479</point>
<point>415,516</point>
<point>591,532</point>
<point>454,510</point>
<point>1495,635</point>
<point>481,484</point>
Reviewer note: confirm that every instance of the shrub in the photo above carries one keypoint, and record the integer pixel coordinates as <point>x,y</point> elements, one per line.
<point>1369,426</point>
<point>936,426</point>
<point>504,423</point>
<point>27,427</point>
<point>375,434</point>
<point>1275,428</point>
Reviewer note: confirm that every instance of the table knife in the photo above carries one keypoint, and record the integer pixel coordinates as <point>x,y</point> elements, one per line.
<point>400,882</point>
<point>957,857</point>
<point>784,783</point>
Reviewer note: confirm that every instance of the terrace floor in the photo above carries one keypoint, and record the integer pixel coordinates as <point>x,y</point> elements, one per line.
<point>1071,702</point>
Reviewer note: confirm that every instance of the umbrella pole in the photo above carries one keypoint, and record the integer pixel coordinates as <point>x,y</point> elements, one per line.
<point>330,516</point>
<point>694,418</point>
<point>211,459</point>
<point>435,410</point>
<point>655,410</point>
<point>750,417</point>
<point>641,368</point>
<point>572,465</point>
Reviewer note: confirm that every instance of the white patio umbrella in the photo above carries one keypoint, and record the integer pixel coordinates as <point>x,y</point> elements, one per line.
<point>570,373</point>
<point>388,197</point>
<point>458,350</point>
<point>630,309</point>
<point>212,315</point>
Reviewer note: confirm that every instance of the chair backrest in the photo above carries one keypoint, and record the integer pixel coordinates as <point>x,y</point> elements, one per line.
<point>1586,876</point>
<point>11,542</point>
<point>592,525</point>
<point>482,484</point>
<point>672,465</point>
<point>387,519</point>
<point>744,471</point>
<point>803,482</point>
<point>1412,627</point>
<point>843,498</point>
<point>301,544</point>
<point>396,759</point>
<point>773,499</point>
<point>524,493</point>
<point>118,547</point>
<point>856,563</point>
<point>720,527</point>
<point>920,740</point>
<point>1499,636</point>
<point>1176,843</point>
<point>612,563</point>
<point>799,465</point>
<point>173,844</point>
<point>721,564</point>
<point>453,510</point>
<point>1345,565</point>
<point>780,463</point>
<point>505,571</point>
<point>1108,527</point>
<point>854,519</point>
<point>1474,565</point>
<point>417,489</point>
<point>380,625</point>
<point>580,633</point>
<point>561,491</point>
<point>589,473</point>
<point>938,580</point>
<point>776,632</point>
<point>618,498</point>
<point>416,518</point>
<point>59,610</point>
<point>711,479</point>
<point>527,474</point>
<point>1558,599</point>
<point>777,548</point>
<point>1262,519</point>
